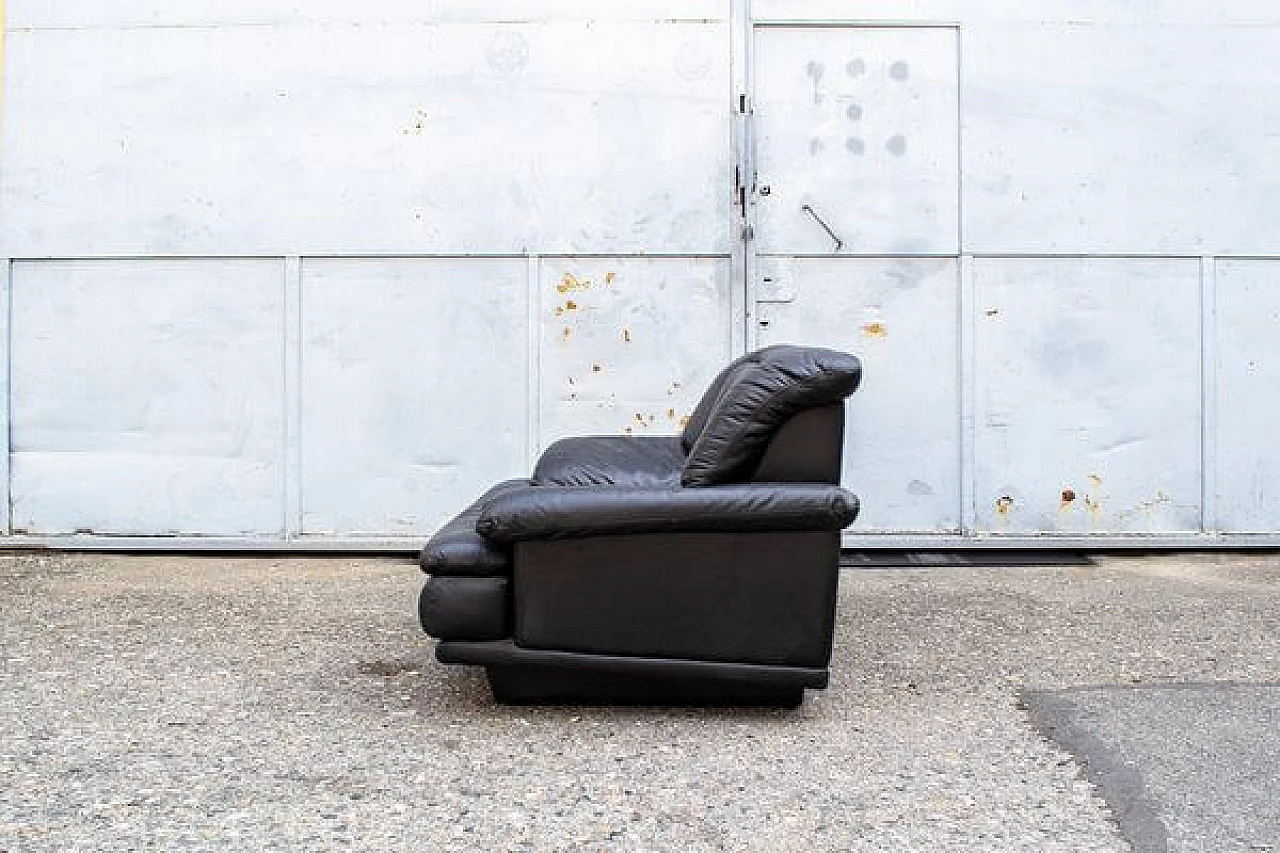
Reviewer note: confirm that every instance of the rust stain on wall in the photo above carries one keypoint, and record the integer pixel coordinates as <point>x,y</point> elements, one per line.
<point>1093,501</point>
<point>571,282</point>
<point>875,330</point>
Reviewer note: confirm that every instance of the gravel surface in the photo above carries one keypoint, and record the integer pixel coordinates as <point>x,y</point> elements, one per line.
<point>212,703</point>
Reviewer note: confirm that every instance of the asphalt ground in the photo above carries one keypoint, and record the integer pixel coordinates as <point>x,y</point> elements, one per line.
<point>210,703</point>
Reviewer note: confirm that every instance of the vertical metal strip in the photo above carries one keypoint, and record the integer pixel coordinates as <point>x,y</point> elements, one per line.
<point>2,40</point>
<point>1209,523</point>
<point>740,95</point>
<point>967,312</point>
<point>6,301</point>
<point>745,25</point>
<point>6,371</point>
<point>960,247</point>
<point>292,390</point>
<point>533,376</point>
<point>967,390</point>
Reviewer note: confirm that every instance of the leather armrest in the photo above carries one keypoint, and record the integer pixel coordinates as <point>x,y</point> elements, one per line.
<point>565,512</point>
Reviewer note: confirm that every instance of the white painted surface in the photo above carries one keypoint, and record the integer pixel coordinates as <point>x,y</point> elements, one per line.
<point>1123,139</point>
<point>1248,384</point>
<point>210,13</point>
<point>860,126</point>
<point>1088,396</point>
<point>596,133</point>
<point>628,345</point>
<point>413,389</point>
<point>1150,12</point>
<point>899,316</point>
<point>145,397</point>
<point>405,138</point>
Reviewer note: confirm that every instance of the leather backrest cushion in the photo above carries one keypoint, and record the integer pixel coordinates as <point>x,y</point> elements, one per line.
<point>698,418</point>
<point>763,395</point>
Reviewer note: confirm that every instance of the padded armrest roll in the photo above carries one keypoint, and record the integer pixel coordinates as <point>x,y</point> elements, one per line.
<point>552,512</point>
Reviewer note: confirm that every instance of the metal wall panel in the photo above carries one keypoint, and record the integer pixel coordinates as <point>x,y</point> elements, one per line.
<point>145,397</point>
<point>1088,396</point>
<point>856,131</point>
<point>414,389</point>
<point>408,138</point>
<point>1150,12</point>
<point>902,433</point>
<point>628,345</point>
<point>1248,384</point>
<point>333,140</point>
<point>160,13</point>
<point>1121,139</point>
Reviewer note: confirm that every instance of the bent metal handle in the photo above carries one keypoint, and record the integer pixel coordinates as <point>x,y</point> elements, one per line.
<point>825,227</point>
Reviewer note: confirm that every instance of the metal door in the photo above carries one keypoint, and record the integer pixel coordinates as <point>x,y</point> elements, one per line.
<point>855,220</point>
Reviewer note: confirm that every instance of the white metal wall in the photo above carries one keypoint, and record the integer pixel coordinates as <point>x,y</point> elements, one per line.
<point>315,274</point>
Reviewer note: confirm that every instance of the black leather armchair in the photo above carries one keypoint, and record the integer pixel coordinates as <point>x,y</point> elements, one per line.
<point>699,568</point>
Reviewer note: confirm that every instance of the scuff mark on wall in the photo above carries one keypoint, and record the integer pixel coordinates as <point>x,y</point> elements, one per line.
<point>1146,507</point>
<point>419,125</point>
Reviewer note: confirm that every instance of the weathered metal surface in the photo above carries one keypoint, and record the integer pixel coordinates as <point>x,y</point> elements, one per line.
<point>1121,139</point>
<point>383,139</point>
<point>628,345</point>
<point>899,316</point>
<point>857,133</point>
<point>145,397</point>
<point>159,13</point>
<point>570,138</point>
<point>1088,396</point>
<point>414,389</point>
<point>1247,368</point>
<point>1150,12</point>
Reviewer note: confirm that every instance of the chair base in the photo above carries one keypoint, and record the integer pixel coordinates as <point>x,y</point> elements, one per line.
<point>515,685</point>
<point>521,676</point>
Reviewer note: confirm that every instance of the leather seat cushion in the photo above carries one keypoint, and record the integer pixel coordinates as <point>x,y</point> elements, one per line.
<point>611,461</point>
<point>461,608</point>
<point>458,550</point>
